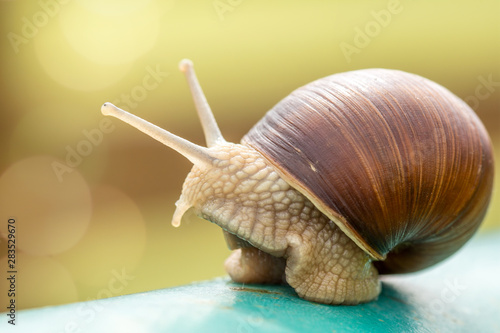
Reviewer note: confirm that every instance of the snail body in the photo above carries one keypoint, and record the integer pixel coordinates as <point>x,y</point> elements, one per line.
<point>356,174</point>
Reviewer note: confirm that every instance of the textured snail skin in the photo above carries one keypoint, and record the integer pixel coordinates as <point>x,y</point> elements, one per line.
<point>281,235</point>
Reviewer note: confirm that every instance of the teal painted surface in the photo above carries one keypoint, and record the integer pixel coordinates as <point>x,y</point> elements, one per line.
<point>460,295</point>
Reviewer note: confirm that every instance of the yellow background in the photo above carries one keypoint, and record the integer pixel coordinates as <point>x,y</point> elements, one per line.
<point>102,227</point>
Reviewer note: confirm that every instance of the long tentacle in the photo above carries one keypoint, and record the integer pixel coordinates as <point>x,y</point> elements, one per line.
<point>196,154</point>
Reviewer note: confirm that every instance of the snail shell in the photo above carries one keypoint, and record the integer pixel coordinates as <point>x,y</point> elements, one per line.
<point>398,162</point>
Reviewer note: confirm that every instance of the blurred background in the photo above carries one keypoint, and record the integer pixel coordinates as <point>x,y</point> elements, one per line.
<point>93,198</point>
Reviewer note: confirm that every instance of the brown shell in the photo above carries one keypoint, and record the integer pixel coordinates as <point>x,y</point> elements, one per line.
<point>399,163</point>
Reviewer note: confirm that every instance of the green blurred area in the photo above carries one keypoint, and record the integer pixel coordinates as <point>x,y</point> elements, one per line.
<point>109,213</point>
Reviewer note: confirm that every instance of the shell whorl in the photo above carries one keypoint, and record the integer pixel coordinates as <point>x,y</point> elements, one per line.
<point>399,163</point>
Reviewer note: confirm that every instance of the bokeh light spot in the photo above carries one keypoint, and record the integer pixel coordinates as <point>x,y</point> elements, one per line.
<point>115,7</point>
<point>64,130</point>
<point>71,69</point>
<point>115,240</point>
<point>111,39</point>
<point>51,215</point>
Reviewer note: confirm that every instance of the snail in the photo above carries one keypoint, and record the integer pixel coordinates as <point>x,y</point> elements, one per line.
<point>357,174</point>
